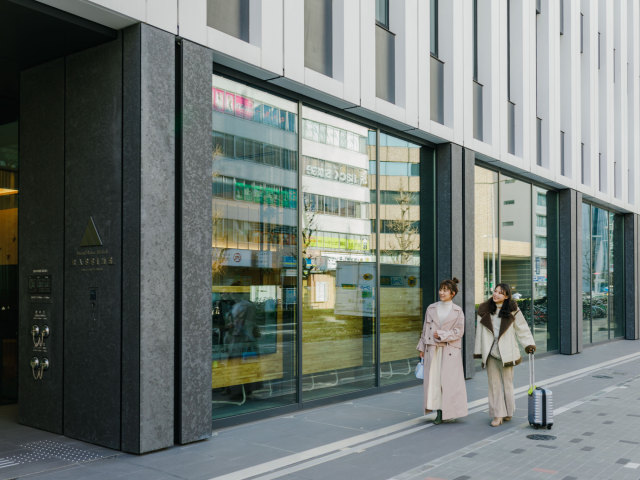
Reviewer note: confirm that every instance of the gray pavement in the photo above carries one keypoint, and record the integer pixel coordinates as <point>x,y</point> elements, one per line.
<point>596,435</point>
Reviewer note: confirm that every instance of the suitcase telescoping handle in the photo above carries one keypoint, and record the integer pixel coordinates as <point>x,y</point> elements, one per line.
<point>532,374</point>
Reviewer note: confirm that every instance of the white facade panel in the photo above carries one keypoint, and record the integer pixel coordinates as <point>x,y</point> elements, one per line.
<point>580,76</point>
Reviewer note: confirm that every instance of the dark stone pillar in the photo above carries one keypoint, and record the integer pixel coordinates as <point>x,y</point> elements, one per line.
<point>41,241</point>
<point>455,231</point>
<point>98,183</point>
<point>631,277</point>
<point>193,271</point>
<point>148,315</point>
<point>570,270</point>
<point>93,245</point>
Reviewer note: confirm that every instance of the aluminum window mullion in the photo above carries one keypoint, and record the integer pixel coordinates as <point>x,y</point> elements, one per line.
<point>534,216</point>
<point>499,230</point>
<point>378,224</point>
<point>299,286</point>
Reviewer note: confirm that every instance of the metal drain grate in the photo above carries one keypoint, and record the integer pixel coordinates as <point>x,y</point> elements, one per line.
<point>48,449</point>
<point>540,436</point>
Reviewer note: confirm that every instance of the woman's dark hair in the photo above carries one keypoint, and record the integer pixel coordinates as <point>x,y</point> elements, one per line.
<point>451,285</point>
<point>508,307</point>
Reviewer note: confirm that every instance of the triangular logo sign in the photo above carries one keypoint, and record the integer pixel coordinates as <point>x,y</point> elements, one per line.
<point>91,238</point>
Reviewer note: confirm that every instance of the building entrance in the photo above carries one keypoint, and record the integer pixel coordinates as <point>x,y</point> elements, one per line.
<point>8,263</point>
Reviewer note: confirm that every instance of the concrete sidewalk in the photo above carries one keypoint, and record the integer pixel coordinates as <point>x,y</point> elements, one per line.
<point>384,436</point>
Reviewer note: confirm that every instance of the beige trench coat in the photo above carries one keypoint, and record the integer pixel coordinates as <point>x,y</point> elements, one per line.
<point>454,391</point>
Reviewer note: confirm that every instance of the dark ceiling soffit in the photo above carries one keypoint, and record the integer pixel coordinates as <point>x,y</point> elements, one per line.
<point>66,17</point>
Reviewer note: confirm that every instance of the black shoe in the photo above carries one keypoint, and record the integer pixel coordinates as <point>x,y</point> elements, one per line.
<point>438,419</point>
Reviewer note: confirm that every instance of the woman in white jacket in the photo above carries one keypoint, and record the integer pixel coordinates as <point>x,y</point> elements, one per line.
<point>500,327</point>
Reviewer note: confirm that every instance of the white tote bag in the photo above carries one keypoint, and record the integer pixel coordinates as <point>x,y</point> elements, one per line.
<point>420,369</point>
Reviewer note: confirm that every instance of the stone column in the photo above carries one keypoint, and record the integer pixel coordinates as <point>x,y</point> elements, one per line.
<point>455,232</point>
<point>569,261</point>
<point>632,277</point>
<point>193,290</point>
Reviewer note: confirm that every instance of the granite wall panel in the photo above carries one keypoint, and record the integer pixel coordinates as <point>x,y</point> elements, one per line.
<point>195,147</point>
<point>631,275</point>
<point>41,239</point>
<point>157,238</point>
<point>130,420</point>
<point>93,247</point>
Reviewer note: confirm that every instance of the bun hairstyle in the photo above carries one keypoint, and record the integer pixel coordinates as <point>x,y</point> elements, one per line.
<point>508,307</point>
<point>451,285</point>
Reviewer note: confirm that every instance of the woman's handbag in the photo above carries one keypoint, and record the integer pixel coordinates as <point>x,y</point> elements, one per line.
<point>420,369</point>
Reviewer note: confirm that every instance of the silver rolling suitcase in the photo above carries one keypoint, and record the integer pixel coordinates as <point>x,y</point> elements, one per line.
<point>540,402</point>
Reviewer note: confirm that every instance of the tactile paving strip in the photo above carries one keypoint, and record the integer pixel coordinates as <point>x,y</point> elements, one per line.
<point>43,450</point>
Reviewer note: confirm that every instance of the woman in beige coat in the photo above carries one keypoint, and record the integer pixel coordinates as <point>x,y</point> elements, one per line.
<point>500,327</point>
<point>440,345</point>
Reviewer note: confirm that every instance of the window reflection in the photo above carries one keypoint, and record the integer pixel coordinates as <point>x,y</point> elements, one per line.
<point>339,284</point>
<point>254,249</point>
<point>515,242</point>
<point>486,230</point>
<point>602,274</point>
<point>540,320</point>
<point>515,213</point>
<point>400,289</point>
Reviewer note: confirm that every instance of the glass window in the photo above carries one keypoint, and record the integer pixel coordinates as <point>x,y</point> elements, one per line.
<point>253,265</point>
<point>515,242</point>
<point>602,274</point>
<point>586,273</point>
<point>318,41</point>
<point>339,283</point>
<point>544,329</point>
<point>509,255</point>
<point>400,289</point>
<point>9,182</point>
<point>541,242</point>
<point>382,13</point>
<point>434,28</point>
<point>599,275</point>
<point>230,17</point>
<point>486,227</point>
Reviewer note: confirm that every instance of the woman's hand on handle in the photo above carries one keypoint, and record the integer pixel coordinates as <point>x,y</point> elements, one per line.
<point>421,353</point>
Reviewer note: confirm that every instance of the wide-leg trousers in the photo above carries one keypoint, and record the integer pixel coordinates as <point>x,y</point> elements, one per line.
<point>502,402</point>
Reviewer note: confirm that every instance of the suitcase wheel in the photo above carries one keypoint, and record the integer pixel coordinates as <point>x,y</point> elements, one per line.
<point>549,427</point>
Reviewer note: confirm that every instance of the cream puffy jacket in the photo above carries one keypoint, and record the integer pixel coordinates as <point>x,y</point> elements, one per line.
<point>511,332</point>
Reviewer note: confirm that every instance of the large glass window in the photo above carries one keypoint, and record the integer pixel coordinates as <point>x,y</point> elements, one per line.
<point>345,248</point>
<point>338,248</point>
<point>544,332</point>
<point>511,247</point>
<point>602,274</point>
<point>486,227</point>
<point>515,241</point>
<point>9,263</point>
<point>400,289</point>
<point>254,249</point>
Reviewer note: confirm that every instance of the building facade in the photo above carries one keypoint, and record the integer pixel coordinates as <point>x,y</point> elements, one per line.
<point>235,209</point>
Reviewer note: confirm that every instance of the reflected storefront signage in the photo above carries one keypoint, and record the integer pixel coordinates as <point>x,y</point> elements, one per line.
<point>336,172</point>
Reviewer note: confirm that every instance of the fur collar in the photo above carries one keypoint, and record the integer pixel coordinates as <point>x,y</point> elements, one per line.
<point>484,311</point>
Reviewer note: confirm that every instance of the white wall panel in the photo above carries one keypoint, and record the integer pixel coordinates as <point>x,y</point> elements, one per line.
<point>551,78</point>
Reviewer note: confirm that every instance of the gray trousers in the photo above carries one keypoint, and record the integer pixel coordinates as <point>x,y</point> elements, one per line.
<point>502,402</point>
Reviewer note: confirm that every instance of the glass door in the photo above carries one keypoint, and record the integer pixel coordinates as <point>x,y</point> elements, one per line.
<point>9,263</point>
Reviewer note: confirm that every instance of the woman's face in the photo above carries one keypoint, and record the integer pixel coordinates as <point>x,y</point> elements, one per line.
<point>498,295</point>
<point>445,294</point>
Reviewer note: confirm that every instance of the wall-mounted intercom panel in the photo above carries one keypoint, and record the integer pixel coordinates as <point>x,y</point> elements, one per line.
<point>40,302</point>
